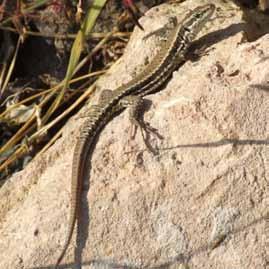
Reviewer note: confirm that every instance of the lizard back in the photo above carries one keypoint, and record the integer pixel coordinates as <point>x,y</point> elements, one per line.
<point>171,54</point>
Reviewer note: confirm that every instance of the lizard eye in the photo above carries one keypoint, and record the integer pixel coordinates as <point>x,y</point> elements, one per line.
<point>198,15</point>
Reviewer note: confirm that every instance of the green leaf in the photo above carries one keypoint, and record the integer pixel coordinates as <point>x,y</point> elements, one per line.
<point>77,47</point>
<point>86,28</point>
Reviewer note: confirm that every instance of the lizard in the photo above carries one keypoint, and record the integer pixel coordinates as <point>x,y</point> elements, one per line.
<point>171,54</point>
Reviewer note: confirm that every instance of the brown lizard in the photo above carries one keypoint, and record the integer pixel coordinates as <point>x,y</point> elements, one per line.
<point>171,54</point>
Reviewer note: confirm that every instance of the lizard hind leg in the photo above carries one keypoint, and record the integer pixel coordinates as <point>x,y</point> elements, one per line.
<point>137,106</point>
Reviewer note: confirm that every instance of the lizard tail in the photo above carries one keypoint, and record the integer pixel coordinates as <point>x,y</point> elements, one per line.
<point>67,241</point>
<point>83,145</point>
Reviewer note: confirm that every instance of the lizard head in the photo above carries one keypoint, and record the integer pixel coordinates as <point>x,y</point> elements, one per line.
<point>196,19</point>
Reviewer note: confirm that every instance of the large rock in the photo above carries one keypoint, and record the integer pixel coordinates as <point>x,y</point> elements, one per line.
<point>202,202</point>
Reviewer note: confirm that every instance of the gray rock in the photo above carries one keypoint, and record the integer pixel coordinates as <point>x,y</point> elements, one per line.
<point>209,181</point>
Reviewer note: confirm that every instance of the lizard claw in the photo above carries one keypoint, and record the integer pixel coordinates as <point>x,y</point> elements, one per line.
<point>146,130</point>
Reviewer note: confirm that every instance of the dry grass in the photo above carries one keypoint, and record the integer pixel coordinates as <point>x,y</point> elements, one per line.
<point>36,115</point>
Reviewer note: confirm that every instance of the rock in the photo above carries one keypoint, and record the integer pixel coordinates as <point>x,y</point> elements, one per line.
<point>202,202</point>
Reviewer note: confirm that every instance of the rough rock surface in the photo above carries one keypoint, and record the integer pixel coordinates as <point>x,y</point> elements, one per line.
<point>202,202</point>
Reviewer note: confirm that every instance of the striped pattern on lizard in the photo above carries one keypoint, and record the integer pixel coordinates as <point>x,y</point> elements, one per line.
<point>149,81</point>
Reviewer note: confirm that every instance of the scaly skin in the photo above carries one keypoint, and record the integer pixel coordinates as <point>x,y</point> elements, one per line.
<point>148,81</point>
